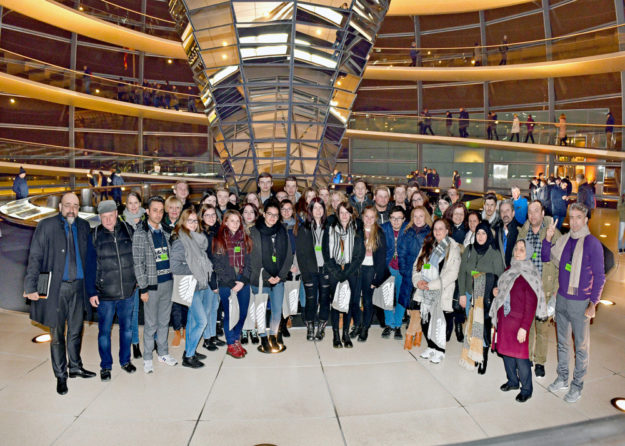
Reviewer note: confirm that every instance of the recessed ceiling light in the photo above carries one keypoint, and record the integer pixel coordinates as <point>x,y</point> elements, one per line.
<point>169,61</point>
<point>318,32</point>
<point>606,302</point>
<point>603,236</point>
<point>80,8</point>
<point>12,101</point>
<point>224,56</point>
<point>97,90</point>
<point>608,224</point>
<point>224,43</point>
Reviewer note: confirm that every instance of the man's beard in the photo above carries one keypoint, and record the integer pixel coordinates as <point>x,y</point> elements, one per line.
<point>70,219</point>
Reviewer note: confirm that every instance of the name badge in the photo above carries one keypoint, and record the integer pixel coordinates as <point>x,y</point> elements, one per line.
<point>318,248</point>
<point>534,256</point>
<point>474,273</point>
<point>273,259</point>
<point>426,266</point>
<point>164,256</point>
<point>568,267</point>
<point>237,249</point>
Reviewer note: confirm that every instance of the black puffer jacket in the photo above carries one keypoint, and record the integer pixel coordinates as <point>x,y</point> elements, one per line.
<point>115,273</point>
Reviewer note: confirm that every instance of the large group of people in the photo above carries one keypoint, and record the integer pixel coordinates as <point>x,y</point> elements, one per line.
<point>406,257</point>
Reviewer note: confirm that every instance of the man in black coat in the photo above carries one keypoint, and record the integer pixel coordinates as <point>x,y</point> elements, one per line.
<point>111,283</point>
<point>65,259</point>
<point>506,231</point>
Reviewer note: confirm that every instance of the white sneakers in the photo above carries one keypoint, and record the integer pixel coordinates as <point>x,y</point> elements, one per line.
<point>148,367</point>
<point>437,357</point>
<point>168,359</point>
<point>427,353</point>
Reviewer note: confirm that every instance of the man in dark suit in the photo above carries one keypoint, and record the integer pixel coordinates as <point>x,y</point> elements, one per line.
<point>506,231</point>
<point>61,246</point>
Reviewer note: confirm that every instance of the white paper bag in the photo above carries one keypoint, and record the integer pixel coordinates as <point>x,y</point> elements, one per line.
<point>384,295</point>
<point>291,298</point>
<point>183,289</point>
<point>342,296</point>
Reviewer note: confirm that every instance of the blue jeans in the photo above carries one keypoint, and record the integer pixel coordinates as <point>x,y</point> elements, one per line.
<point>196,321</point>
<point>211,306</point>
<point>243,297</point>
<point>276,297</point>
<point>135,316</point>
<point>106,313</point>
<point>394,318</point>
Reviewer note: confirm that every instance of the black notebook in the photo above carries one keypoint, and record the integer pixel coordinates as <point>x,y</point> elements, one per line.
<point>43,284</point>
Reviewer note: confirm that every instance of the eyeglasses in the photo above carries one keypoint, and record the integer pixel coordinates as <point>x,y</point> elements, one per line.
<point>192,221</point>
<point>272,215</point>
<point>397,218</point>
<point>287,209</point>
<point>210,215</point>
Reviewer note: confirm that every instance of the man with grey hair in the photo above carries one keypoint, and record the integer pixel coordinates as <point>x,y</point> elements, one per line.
<point>59,253</point>
<point>520,205</point>
<point>579,258</point>
<point>112,292</point>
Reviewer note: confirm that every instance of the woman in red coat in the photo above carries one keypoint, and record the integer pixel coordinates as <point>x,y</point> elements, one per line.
<point>517,294</point>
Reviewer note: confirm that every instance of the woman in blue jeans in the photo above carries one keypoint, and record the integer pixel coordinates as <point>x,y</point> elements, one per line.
<point>271,254</point>
<point>188,257</point>
<point>231,260</point>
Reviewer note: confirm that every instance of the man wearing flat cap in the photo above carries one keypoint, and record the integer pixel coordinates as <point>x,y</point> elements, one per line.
<point>112,285</point>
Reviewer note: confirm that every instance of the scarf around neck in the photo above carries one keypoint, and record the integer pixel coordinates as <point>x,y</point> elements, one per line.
<point>273,246</point>
<point>195,245</point>
<point>235,245</point>
<point>576,261</point>
<point>130,218</point>
<point>527,270</point>
<point>341,243</point>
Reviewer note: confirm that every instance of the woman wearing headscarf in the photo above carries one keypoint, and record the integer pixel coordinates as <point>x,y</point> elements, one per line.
<point>479,257</point>
<point>518,292</point>
<point>434,276</point>
<point>343,251</point>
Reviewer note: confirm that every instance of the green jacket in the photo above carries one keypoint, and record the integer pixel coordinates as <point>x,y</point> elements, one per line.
<point>490,262</point>
<point>550,270</point>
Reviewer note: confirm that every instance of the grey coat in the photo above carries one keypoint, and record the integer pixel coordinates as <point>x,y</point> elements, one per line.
<point>143,254</point>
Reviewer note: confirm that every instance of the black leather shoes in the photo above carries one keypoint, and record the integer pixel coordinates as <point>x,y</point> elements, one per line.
<point>209,345</point>
<point>398,336</point>
<point>386,333</point>
<point>129,368</point>
<point>506,387</point>
<point>245,337</point>
<point>105,375</point>
<point>82,373</point>
<point>191,362</point>
<point>254,337</point>
<point>136,351</point>
<point>355,331</point>
<point>539,370</point>
<point>364,334</point>
<point>61,386</point>
<point>336,341</point>
<point>459,334</point>
<point>522,398</point>
<point>199,355</point>
<point>347,342</point>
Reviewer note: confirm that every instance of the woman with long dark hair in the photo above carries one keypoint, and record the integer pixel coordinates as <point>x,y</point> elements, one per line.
<point>271,253</point>
<point>456,215</point>
<point>188,257</point>
<point>343,252</point>
<point>373,271</point>
<point>308,239</point>
<point>434,276</point>
<point>231,260</point>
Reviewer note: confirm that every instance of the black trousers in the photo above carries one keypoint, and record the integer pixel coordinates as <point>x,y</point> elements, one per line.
<point>317,295</point>
<point>366,277</point>
<point>528,136</point>
<point>70,311</point>
<point>354,300</point>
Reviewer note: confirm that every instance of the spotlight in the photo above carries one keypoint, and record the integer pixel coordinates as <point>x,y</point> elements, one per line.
<point>12,101</point>
<point>618,403</point>
<point>224,43</point>
<point>606,302</point>
<point>169,61</point>
<point>224,56</point>
<point>97,90</point>
<point>80,8</point>
<point>40,339</point>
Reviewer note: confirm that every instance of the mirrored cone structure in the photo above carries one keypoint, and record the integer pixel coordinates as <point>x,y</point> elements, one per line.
<point>278,79</point>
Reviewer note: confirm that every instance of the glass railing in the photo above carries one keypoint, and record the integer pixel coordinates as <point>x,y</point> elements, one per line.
<point>59,156</point>
<point>151,95</point>
<point>129,18</point>
<point>584,135</point>
<point>590,43</point>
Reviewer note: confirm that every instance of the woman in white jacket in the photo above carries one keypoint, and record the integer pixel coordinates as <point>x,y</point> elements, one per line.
<point>515,131</point>
<point>434,276</point>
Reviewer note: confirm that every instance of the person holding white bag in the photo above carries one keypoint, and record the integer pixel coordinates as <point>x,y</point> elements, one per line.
<point>434,276</point>
<point>271,254</point>
<point>189,258</point>
<point>343,251</point>
<point>373,272</point>
<point>231,260</point>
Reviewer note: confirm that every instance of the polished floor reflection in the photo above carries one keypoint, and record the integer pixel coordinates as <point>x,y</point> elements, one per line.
<point>374,394</point>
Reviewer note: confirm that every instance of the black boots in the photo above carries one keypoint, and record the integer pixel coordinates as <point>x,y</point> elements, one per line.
<point>283,330</point>
<point>347,342</point>
<point>264,344</point>
<point>459,335</point>
<point>355,331</point>
<point>449,330</point>
<point>321,330</point>
<point>336,342</point>
<point>481,369</point>
<point>245,337</point>
<point>364,334</point>
<point>136,351</point>
<point>310,331</point>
